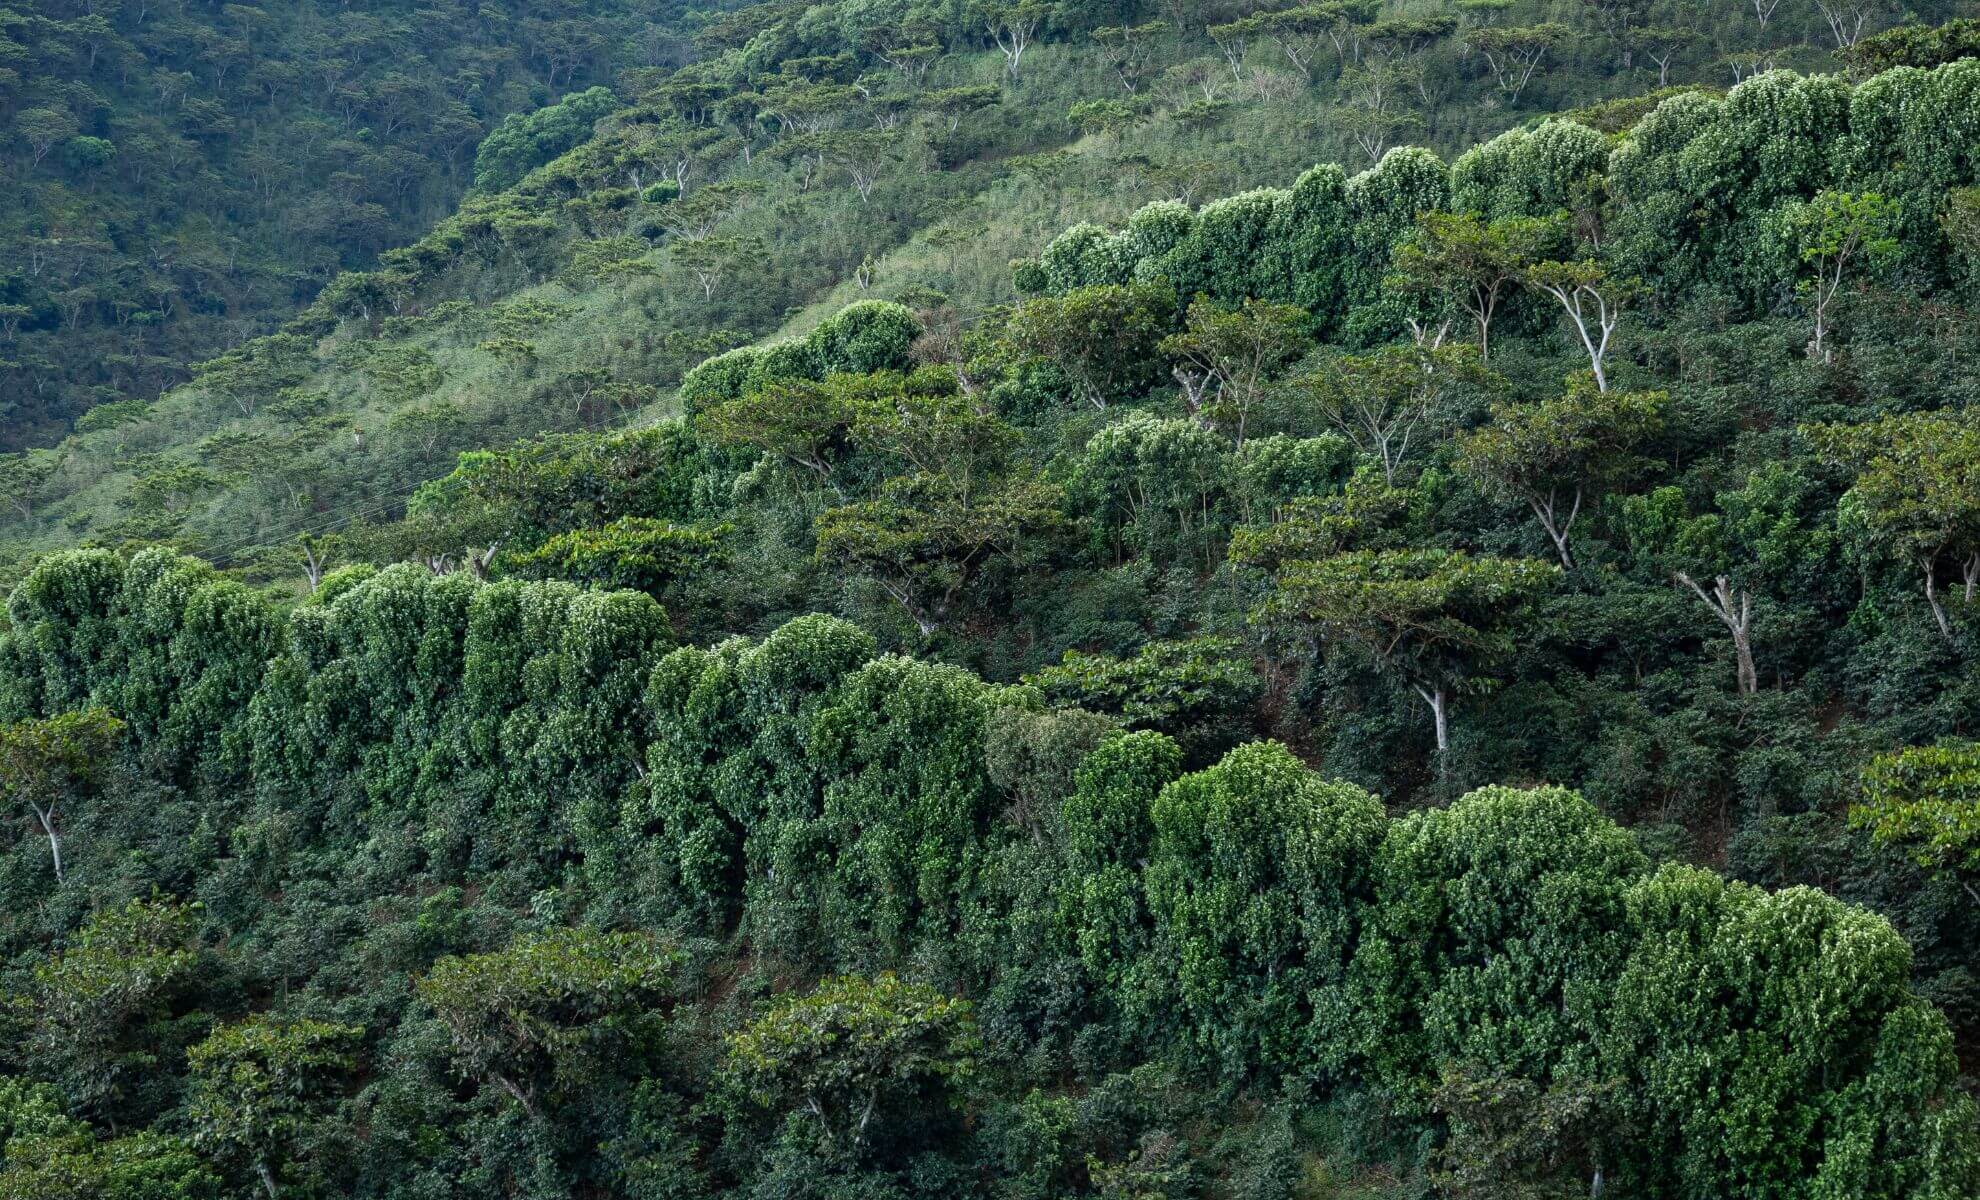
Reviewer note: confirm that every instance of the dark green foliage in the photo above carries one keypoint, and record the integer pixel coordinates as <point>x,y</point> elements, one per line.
<point>526,141</point>
<point>1826,1021</point>
<point>1253,916</point>
<point>1915,46</point>
<point>546,1018</point>
<point>854,1059</point>
<point>1197,691</point>
<point>1498,929</point>
<point>1145,875</point>
<point>262,1090</point>
<point>1256,880</point>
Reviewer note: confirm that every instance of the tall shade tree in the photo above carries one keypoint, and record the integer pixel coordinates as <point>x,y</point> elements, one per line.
<point>46,765</point>
<point>1226,358</point>
<point>1838,235</point>
<point>1555,454</point>
<point>854,1055</point>
<point>551,1014</point>
<point>1386,401</point>
<point>1515,53</point>
<point>1734,609</point>
<point>802,423</point>
<point>1101,338</point>
<point>1917,492</point>
<point>923,542</point>
<point>1592,299</point>
<point>261,1089</point>
<point>1463,261</point>
<point>1925,801</point>
<point>100,1005</point>
<point>1435,618</point>
<point>1012,27</point>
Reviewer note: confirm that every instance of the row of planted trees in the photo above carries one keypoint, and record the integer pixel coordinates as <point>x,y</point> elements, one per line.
<point>834,809</point>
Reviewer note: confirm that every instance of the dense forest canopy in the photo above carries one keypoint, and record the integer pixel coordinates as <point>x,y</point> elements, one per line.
<point>879,599</point>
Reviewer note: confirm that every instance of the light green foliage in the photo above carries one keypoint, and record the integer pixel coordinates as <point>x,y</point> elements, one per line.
<point>1459,261</point>
<point>21,476</point>
<point>1394,401</point>
<point>1160,486</point>
<point>1917,492</point>
<point>922,542</point>
<point>862,338</point>
<point>1106,118</point>
<point>1915,46</point>
<point>1255,883</point>
<point>1925,800</point>
<point>529,492</point>
<point>551,1014</point>
<point>1838,236</point>
<point>1032,754</point>
<point>640,553</point>
<point>79,1166</point>
<point>853,1055</point>
<point>1515,53</point>
<point>1230,356</point>
<point>1275,470</point>
<point>802,423</point>
<point>46,764</point>
<point>1437,618</point>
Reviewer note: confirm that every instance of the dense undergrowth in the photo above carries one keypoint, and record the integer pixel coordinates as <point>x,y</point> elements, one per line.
<point>1449,675</point>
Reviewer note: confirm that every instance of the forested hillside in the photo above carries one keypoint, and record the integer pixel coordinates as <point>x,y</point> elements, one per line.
<point>183,176</point>
<point>854,152</point>
<point>1249,603</point>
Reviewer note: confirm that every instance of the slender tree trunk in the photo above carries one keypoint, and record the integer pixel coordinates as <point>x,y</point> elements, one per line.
<point>1938,609</point>
<point>1557,528</point>
<point>47,818</point>
<point>521,1097</point>
<point>267,1177</point>
<point>1434,697</point>
<point>1736,613</point>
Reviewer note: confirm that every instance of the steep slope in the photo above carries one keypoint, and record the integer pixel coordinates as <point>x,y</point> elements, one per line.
<point>509,318</point>
<point>185,176</point>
